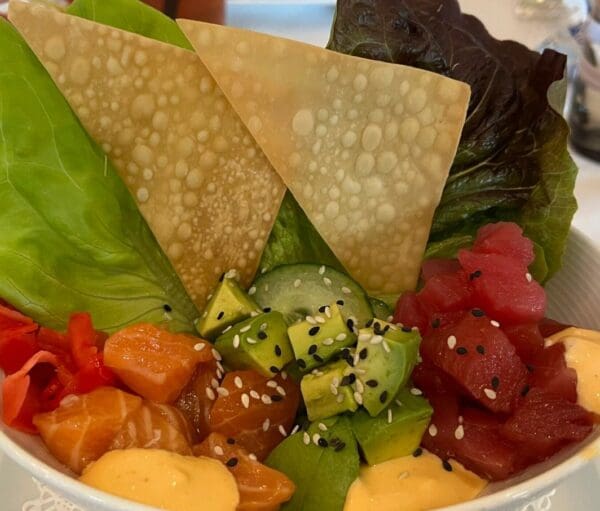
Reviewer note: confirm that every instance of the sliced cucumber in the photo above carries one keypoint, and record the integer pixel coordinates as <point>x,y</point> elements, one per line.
<point>381,310</point>
<point>298,290</point>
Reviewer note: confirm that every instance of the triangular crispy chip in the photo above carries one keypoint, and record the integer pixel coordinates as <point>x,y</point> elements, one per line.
<point>206,189</point>
<point>364,146</point>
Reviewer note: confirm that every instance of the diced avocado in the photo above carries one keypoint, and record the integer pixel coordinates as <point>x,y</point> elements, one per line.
<point>396,431</point>
<point>318,338</point>
<point>327,391</point>
<point>229,304</point>
<point>387,354</point>
<point>260,343</point>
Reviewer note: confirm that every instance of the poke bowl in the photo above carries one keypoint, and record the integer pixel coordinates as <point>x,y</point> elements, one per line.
<point>239,272</point>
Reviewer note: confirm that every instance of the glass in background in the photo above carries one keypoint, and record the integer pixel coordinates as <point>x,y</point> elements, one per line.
<point>548,9</point>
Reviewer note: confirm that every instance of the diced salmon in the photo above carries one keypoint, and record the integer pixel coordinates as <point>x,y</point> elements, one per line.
<point>156,426</point>
<point>258,412</point>
<point>82,428</point>
<point>198,397</point>
<point>261,488</point>
<point>153,362</point>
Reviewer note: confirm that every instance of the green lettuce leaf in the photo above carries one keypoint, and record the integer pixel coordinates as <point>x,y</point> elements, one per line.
<point>293,238</point>
<point>512,162</point>
<point>71,236</point>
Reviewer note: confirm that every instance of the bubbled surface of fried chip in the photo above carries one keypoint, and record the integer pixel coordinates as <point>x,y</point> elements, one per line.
<point>202,183</point>
<point>364,146</point>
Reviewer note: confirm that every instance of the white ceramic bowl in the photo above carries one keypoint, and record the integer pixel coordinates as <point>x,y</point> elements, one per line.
<point>574,298</point>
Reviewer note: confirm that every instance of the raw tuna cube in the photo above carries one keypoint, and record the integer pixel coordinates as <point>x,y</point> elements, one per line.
<point>527,340</point>
<point>505,238</point>
<point>549,372</point>
<point>409,312</point>
<point>447,292</point>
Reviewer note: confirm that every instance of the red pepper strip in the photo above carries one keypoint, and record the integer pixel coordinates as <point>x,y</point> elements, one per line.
<point>16,348</point>
<point>53,340</point>
<point>21,400</point>
<point>83,338</point>
<point>10,317</point>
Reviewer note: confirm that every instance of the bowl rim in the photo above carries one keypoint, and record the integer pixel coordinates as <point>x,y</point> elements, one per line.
<point>89,497</point>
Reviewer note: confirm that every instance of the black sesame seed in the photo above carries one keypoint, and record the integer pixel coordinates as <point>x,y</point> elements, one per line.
<point>350,324</point>
<point>406,329</point>
<point>340,303</point>
<point>369,323</point>
<point>385,329</point>
<point>475,275</point>
<point>349,360</point>
<point>334,441</point>
<point>274,369</point>
<point>231,441</point>
<point>436,323</point>
<point>323,443</point>
<point>318,358</point>
<point>222,277</point>
<point>276,398</point>
<point>312,349</point>
<point>339,447</point>
<point>417,452</point>
<point>372,383</point>
<point>301,363</point>
<point>525,390</point>
<point>232,462</point>
<point>480,349</point>
<point>364,353</point>
<point>322,308</point>
<point>529,367</point>
<point>267,309</point>
<point>478,313</point>
<point>495,382</point>
<point>220,315</point>
<point>383,397</point>
<point>314,330</point>
<point>167,307</point>
<point>447,466</point>
<point>345,381</point>
<point>352,378</point>
<point>261,335</point>
<point>461,351</point>
<point>277,350</point>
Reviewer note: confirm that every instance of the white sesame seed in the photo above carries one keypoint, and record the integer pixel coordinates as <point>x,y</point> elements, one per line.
<point>315,438</point>
<point>333,389</point>
<point>376,339</point>
<point>360,370</point>
<point>327,281</point>
<point>390,416</point>
<point>386,347</point>
<point>204,314</point>
<point>218,450</point>
<point>252,290</point>
<point>390,319</point>
<point>433,431</point>
<point>495,323</point>
<point>358,398</point>
<point>209,297</point>
<point>327,342</point>
<point>459,433</point>
<point>451,342</point>
<point>227,329</point>
<point>341,337</point>
<point>340,398</point>
<point>266,399</point>
<point>249,340</point>
<point>252,456</point>
<point>319,320</point>
<point>263,326</point>
<point>281,391</point>
<point>200,346</point>
<point>360,387</point>
<point>214,383</point>
<point>238,382</point>
<point>246,400</point>
<point>528,277</point>
<point>245,329</point>
<point>263,271</point>
<point>266,425</point>
<point>253,314</point>
<point>310,320</point>
<point>328,312</point>
<point>403,475</point>
<point>216,355</point>
<point>272,384</point>
<point>210,394</point>
<point>306,438</point>
<point>346,290</point>
<point>416,392</point>
<point>295,429</point>
<point>398,402</point>
<point>222,391</point>
<point>491,394</point>
<point>282,430</point>
<point>356,359</point>
<point>219,374</point>
<point>321,270</point>
<point>254,394</point>
<point>322,426</point>
<point>364,337</point>
<point>460,419</point>
<point>236,341</point>
<point>297,283</point>
<point>220,367</point>
<point>284,375</point>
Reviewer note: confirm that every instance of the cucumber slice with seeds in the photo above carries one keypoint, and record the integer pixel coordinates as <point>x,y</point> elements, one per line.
<point>298,290</point>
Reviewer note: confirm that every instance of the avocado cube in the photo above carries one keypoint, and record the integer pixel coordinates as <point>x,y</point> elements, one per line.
<point>229,304</point>
<point>260,343</point>
<point>397,431</point>
<point>318,338</point>
<point>325,393</point>
<point>387,354</point>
